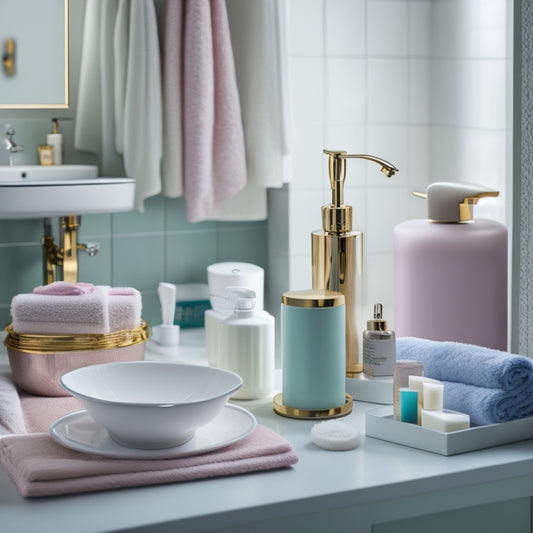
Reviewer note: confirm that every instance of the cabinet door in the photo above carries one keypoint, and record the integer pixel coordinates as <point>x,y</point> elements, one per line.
<point>512,516</point>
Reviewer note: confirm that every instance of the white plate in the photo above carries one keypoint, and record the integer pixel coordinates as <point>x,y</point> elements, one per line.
<point>80,432</point>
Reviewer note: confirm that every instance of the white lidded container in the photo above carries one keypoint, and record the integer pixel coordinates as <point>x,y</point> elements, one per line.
<point>248,345</point>
<point>220,276</point>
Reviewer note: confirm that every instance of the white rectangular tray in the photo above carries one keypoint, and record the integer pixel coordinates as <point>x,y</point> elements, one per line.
<point>380,424</point>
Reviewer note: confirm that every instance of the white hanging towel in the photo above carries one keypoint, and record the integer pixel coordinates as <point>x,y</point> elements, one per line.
<point>172,165</point>
<point>95,126</point>
<point>208,153</point>
<point>138,98</point>
<point>258,35</point>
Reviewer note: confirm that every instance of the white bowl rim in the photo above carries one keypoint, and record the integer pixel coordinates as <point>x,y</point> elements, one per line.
<point>150,404</point>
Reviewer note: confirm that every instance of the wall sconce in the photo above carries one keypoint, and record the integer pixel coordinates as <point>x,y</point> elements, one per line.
<point>8,57</point>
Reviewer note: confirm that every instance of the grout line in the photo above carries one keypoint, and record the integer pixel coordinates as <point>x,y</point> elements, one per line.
<point>19,244</point>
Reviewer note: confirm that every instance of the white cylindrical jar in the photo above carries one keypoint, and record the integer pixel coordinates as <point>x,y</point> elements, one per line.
<point>221,276</point>
<point>248,346</point>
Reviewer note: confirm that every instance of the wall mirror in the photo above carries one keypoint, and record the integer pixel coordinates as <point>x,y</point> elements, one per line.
<point>34,73</point>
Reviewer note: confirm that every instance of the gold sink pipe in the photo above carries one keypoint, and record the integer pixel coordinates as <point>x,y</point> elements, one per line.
<point>66,256</point>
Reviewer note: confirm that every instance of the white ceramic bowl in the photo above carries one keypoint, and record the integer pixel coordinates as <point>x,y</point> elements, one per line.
<point>150,404</point>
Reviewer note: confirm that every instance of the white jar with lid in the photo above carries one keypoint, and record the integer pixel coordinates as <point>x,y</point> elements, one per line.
<point>248,345</point>
<point>220,276</point>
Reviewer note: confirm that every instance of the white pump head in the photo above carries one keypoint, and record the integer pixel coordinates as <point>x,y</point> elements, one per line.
<point>244,299</point>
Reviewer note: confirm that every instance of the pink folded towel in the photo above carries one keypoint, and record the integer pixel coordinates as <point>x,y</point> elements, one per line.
<point>38,466</point>
<point>53,314</point>
<point>65,288</point>
<point>66,308</point>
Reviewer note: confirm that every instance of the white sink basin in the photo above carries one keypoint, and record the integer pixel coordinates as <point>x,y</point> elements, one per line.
<point>33,191</point>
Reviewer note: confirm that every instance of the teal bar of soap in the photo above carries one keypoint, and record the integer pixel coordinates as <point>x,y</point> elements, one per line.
<point>409,405</point>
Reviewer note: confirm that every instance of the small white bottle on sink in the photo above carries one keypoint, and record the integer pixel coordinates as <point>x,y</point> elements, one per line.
<point>248,345</point>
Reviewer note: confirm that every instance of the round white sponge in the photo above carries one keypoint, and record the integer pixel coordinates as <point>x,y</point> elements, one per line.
<point>335,435</point>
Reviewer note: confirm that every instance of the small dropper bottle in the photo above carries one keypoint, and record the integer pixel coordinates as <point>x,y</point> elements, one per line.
<point>379,346</point>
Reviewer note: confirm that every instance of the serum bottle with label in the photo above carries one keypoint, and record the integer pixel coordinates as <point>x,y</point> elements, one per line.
<point>379,346</point>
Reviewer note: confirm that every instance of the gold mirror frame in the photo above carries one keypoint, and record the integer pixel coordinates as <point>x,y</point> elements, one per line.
<point>66,98</point>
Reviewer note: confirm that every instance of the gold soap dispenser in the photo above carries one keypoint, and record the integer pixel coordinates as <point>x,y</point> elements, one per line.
<point>337,252</point>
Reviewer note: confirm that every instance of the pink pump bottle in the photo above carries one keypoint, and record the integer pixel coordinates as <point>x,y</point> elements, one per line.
<point>450,271</point>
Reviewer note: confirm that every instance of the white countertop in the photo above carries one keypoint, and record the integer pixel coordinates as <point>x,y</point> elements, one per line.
<point>376,482</point>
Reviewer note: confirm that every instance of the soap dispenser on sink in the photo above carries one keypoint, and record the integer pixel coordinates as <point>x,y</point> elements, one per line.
<point>337,253</point>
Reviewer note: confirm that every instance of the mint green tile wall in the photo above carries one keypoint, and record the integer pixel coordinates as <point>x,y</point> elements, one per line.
<point>138,250</point>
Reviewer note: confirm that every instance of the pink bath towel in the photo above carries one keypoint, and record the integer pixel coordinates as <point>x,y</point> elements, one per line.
<point>200,75</point>
<point>39,466</point>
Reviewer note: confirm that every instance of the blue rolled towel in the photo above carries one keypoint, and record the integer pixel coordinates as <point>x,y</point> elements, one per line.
<point>466,363</point>
<point>488,406</point>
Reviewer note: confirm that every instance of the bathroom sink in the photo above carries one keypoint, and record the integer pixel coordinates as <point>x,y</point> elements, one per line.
<point>33,191</point>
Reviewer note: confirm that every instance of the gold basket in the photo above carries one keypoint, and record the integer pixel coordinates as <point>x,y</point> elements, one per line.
<point>38,361</point>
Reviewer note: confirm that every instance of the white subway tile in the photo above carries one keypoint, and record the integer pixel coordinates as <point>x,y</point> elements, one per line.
<point>308,158</point>
<point>345,27</point>
<point>419,38</point>
<point>419,157</point>
<point>379,285</point>
<point>306,216</point>
<point>346,91</point>
<point>419,91</point>
<point>300,278</point>
<point>387,23</point>
<point>386,207</point>
<point>305,28</point>
<point>388,90</point>
<point>307,90</point>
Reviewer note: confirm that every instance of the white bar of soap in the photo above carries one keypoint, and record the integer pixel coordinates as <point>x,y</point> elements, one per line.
<point>444,421</point>
<point>433,395</point>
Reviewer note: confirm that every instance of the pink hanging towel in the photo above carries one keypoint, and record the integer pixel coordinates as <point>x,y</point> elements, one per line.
<point>200,74</point>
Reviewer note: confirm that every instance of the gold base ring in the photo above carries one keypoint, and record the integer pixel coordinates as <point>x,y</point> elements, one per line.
<point>312,414</point>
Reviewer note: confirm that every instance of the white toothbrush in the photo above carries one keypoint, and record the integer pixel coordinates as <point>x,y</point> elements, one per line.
<point>168,332</point>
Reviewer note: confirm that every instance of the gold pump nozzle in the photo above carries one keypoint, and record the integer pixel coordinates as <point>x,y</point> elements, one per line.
<point>337,217</point>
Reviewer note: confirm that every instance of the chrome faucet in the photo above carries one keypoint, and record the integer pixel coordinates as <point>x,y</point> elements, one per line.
<point>11,146</point>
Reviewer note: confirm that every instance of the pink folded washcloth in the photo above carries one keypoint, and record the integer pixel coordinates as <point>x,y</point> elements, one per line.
<point>41,467</point>
<point>65,288</point>
<point>50,314</point>
<point>88,309</point>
